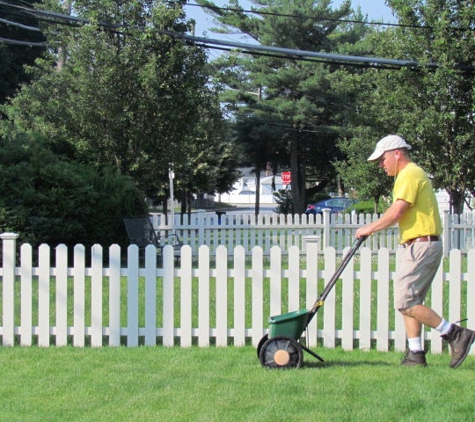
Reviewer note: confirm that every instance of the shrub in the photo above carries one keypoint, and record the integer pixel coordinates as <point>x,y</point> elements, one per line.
<point>367,207</point>
<point>47,199</point>
<point>283,197</point>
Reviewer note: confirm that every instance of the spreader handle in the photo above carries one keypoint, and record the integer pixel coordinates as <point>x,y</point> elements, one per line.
<point>319,302</point>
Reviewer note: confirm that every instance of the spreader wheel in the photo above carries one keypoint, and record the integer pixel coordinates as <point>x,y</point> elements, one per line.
<point>261,343</point>
<point>281,352</point>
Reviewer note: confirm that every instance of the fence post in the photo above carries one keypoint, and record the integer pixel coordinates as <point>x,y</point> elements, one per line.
<point>8,299</point>
<point>312,239</point>
<point>326,227</point>
<point>446,233</point>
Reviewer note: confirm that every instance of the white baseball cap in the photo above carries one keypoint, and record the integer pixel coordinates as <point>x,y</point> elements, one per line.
<point>388,143</point>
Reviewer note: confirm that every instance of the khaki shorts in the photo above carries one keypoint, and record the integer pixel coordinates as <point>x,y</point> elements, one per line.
<point>416,269</point>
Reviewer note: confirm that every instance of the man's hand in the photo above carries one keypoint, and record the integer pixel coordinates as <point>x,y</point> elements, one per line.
<point>364,231</point>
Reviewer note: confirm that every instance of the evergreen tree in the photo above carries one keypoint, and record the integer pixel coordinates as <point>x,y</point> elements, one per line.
<point>299,94</point>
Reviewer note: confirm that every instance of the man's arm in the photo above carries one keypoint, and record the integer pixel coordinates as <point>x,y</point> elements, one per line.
<point>388,219</point>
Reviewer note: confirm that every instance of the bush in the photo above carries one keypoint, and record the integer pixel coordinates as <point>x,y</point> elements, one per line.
<point>283,197</point>
<point>367,207</point>
<point>46,199</point>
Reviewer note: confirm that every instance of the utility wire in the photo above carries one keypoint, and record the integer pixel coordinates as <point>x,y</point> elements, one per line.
<point>20,25</point>
<point>253,49</point>
<point>285,15</point>
<point>318,19</point>
<point>306,59</point>
<point>288,52</point>
<point>18,42</point>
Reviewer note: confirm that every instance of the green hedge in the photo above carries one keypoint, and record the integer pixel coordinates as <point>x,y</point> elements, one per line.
<point>47,199</point>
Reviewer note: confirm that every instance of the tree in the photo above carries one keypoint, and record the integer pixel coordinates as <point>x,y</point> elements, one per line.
<point>48,199</point>
<point>261,146</point>
<point>365,125</point>
<point>367,179</point>
<point>431,105</point>
<point>213,160</point>
<point>14,27</point>
<point>298,93</point>
<point>126,95</point>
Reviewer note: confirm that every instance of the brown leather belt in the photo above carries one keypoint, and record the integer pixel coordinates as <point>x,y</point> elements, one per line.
<point>422,239</point>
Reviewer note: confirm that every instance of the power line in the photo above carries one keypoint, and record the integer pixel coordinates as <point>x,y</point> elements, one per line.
<point>20,25</point>
<point>288,52</point>
<point>307,59</point>
<point>319,19</point>
<point>18,42</point>
<point>285,15</point>
<point>255,49</point>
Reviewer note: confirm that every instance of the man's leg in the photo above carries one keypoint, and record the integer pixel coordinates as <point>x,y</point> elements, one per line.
<point>418,315</point>
<point>414,317</point>
<point>418,267</point>
<point>460,339</point>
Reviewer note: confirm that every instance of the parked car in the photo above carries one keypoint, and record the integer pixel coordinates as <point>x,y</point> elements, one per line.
<point>334,204</point>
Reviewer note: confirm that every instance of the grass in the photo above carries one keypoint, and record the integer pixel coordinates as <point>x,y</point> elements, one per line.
<point>227,384</point>
<point>214,384</point>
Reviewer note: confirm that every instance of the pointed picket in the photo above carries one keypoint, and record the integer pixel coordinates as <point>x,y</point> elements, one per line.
<point>26,292</point>
<point>61,294</point>
<point>221,296</point>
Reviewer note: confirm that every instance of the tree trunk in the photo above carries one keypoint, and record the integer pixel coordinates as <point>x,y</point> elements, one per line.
<point>62,52</point>
<point>376,204</point>
<point>341,187</point>
<point>297,179</point>
<point>258,190</point>
<point>457,199</point>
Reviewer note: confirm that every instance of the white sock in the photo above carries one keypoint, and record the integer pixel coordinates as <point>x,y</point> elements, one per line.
<point>443,327</point>
<point>415,344</point>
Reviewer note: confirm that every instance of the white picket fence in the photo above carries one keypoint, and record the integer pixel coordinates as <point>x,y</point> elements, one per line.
<point>212,299</point>
<point>270,229</point>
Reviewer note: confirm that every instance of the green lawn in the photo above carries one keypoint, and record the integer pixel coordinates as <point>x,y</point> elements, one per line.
<point>173,384</point>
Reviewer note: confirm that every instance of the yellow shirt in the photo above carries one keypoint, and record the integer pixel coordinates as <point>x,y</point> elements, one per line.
<point>422,218</point>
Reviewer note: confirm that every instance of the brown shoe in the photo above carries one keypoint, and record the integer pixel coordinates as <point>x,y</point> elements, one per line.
<point>414,358</point>
<point>460,341</point>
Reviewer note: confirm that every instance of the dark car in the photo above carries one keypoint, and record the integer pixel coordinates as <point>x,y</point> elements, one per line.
<point>334,204</point>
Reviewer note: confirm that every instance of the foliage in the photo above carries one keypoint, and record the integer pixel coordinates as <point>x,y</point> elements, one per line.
<point>47,199</point>
<point>430,105</point>
<point>296,100</point>
<point>283,198</point>
<point>125,95</point>
<point>14,57</point>
<point>369,207</point>
<point>370,182</point>
<point>212,164</point>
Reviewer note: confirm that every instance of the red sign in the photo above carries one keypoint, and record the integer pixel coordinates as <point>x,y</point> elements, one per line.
<point>285,177</point>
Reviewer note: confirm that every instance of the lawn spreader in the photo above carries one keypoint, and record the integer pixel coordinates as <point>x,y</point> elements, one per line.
<point>281,346</point>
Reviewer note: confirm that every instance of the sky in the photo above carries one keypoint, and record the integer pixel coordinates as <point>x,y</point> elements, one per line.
<point>374,9</point>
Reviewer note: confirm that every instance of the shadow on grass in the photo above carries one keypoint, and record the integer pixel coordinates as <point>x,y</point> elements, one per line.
<point>340,363</point>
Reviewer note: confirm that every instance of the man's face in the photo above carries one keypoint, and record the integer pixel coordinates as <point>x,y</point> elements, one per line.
<point>388,162</point>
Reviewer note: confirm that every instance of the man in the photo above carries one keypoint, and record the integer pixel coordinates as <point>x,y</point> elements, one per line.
<point>416,211</point>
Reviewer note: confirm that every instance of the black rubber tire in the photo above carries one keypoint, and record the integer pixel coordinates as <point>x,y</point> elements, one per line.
<point>261,343</point>
<point>282,353</point>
